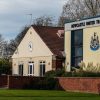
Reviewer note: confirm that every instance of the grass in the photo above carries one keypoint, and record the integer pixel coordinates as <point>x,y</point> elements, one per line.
<point>45,95</point>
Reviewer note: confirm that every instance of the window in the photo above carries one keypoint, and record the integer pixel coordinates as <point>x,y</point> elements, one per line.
<point>31,69</point>
<point>78,51</point>
<point>42,68</point>
<point>21,69</point>
<point>76,47</point>
<point>77,38</point>
<point>30,46</point>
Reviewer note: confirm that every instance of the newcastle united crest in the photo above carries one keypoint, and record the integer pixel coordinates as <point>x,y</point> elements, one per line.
<point>94,44</point>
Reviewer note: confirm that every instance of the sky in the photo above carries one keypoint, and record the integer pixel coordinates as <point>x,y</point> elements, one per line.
<point>14,14</point>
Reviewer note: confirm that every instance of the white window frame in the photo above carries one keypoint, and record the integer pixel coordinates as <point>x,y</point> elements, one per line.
<point>31,64</point>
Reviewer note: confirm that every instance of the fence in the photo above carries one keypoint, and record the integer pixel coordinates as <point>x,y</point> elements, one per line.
<point>3,81</point>
<point>19,82</point>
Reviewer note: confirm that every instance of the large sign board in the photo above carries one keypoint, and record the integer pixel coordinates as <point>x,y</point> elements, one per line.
<point>82,24</point>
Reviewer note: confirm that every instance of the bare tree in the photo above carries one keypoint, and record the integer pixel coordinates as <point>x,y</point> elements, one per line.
<point>92,6</point>
<point>40,21</point>
<point>72,10</point>
<point>43,21</point>
<point>78,9</point>
<point>3,45</point>
<point>15,42</point>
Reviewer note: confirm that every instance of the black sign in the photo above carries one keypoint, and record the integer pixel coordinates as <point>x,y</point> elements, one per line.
<point>88,23</point>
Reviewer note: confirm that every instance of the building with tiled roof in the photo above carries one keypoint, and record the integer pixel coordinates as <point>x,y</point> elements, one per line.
<point>40,50</point>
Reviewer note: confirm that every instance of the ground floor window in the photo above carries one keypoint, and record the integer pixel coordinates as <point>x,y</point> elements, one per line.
<point>21,69</point>
<point>76,47</point>
<point>31,69</point>
<point>42,66</point>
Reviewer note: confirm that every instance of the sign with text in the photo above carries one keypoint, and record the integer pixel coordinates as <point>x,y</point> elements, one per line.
<point>82,24</point>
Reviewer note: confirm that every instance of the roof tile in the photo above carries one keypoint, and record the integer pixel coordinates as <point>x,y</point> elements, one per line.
<point>51,39</point>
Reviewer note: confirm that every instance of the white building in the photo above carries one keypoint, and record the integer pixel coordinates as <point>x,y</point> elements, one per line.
<point>40,50</point>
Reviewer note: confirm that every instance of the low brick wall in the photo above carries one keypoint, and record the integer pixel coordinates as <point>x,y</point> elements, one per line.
<point>3,81</point>
<point>91,85</point>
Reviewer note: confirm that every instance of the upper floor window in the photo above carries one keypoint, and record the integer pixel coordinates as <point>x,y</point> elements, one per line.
<point>77,38</point>
<point>30,46</point>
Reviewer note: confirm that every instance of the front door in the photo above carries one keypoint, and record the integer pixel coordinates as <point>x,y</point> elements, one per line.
<point>31,69</point>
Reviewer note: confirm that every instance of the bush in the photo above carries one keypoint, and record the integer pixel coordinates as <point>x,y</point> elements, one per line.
<point>90,67</point>
<point>60,72</point>
<point>90,74</point>
<point>5,66</point>
<point>50,74</point>
<point>75,73</point>
<point>82,74</point>
<point>67,74</point>
<point>57,73</point>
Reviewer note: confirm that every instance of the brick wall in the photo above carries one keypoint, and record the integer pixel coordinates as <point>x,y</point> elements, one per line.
<point>91,85</point>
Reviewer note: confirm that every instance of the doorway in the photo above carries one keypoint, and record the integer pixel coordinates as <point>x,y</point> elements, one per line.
<point>31,69</point>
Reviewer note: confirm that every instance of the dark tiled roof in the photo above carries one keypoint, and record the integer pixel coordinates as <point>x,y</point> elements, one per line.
<point>51,39</point>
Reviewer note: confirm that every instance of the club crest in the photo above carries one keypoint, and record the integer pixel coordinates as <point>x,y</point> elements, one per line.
<point>94,44</point>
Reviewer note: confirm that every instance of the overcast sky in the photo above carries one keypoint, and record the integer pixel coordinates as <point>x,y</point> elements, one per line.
<point>14,14</point>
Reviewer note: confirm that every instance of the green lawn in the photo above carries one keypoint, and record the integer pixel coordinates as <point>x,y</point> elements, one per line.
<point>45,95</point>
